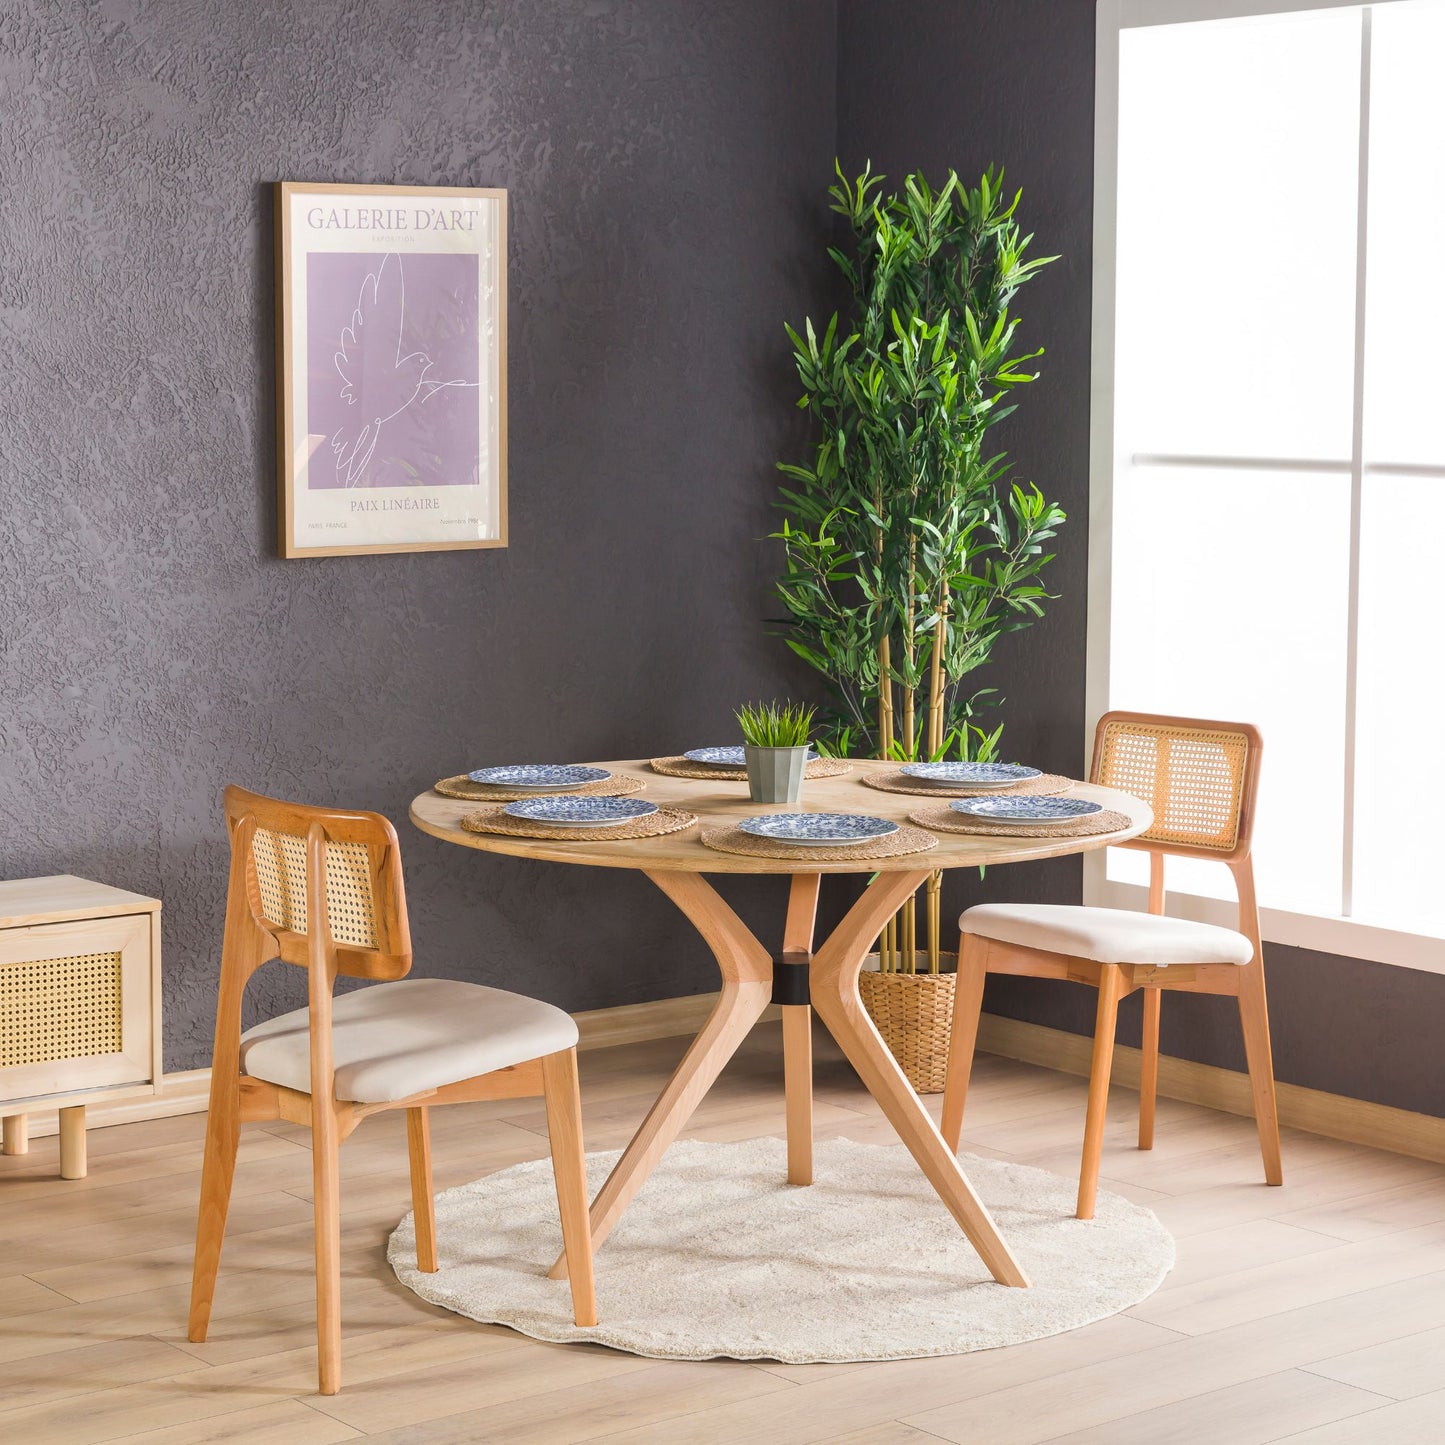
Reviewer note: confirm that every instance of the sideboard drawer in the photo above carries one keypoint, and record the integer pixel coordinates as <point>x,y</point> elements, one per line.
<point>76,1006</point>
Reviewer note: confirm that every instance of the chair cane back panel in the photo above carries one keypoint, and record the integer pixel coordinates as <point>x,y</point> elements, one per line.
<point>280,863</point>
<point>1197,776</point>
<point>366,919</point>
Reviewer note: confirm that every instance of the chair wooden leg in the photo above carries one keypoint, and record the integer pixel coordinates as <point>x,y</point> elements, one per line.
<point>326,1188</point>
<point>1254,1019</point>
<point>569,1169</point>
<point>423,1201</point>
<point>218,1169</point>
<point>1111,983</point>
<point>1149,1067</point>
<point>967,1006</point>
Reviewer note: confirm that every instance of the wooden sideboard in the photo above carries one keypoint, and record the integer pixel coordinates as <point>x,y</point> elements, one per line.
<point>80,997</point>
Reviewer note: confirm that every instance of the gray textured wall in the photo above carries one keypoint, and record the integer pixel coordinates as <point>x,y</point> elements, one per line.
<point>928,85</point>
<point>665,164</point>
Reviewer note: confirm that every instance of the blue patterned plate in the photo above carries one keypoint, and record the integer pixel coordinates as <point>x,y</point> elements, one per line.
<point>727,757</point>
<point>539,775</point>
<point>1027,810</point>
<point>575,812</point>
<point>971,775</point>
<point>829,830</point>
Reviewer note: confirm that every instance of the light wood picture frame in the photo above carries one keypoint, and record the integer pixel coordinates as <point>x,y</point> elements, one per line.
<point>391,368</point>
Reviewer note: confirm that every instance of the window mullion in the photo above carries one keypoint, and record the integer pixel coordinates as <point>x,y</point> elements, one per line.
<point>1357,481</point>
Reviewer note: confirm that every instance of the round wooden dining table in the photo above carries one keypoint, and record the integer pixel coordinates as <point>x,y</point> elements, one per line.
<point>804,979</point>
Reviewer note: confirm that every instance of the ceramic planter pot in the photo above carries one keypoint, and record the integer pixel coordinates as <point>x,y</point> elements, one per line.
<point>775,775</point>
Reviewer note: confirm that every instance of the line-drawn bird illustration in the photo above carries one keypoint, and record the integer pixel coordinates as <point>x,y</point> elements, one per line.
<point>375,373</point>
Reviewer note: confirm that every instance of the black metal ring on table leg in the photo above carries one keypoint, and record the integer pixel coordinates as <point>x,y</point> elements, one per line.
<point>790,980</point>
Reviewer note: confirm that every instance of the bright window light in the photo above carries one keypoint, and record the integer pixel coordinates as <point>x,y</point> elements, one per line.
<point>1279,432</point>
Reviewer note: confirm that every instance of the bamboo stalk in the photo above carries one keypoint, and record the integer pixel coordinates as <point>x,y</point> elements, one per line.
<point>885,698</point>
<point>888,942</point>
<point>935,672</point>
<point>935,746</point>
<point>909,738</point>
<point>935,922</point>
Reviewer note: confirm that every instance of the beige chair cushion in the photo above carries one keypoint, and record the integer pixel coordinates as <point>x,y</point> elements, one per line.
<point>392,1040</point>
<point>1107,935</point>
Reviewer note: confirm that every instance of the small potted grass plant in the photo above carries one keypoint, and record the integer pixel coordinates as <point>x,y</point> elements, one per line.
<point>775,748</point>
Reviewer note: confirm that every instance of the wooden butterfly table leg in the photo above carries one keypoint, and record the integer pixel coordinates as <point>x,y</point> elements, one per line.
<point>747,970</point>
<point>790,990</point>
<point>835,971</point>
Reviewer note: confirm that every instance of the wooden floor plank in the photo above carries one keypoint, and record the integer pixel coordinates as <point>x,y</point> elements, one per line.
<point>893,1433</point>
<point>202,1394</point>
<point>20,1295</point>
<point>1253,1244</point>
<point>1252,1413</point>
<point>287,1422</point>
<point>879,1393</point>
<point>1381,1211</point>
<point>1287,1284</point>
<point>596,1408</point>
<point>1110,1390</point>
<point>531,1370</point>
<point>1420,1421</point>
<point>1400,1369</point>
<point>108,1366</point>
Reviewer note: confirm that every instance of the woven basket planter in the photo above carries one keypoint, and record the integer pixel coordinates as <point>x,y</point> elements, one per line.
<point>914,1013</point>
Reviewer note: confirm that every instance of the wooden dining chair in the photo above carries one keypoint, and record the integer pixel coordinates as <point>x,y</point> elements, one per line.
<point>322,889</point>
<point>1200,778</point>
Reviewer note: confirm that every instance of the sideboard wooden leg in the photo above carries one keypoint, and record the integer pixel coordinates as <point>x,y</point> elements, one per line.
<point>17,1134</point>
<point>72,1142</point>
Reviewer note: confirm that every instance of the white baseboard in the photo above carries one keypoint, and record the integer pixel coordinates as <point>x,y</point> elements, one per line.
<point>1333,1115</point>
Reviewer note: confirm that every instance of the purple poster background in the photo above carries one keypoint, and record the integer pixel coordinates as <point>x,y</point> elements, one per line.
<point>392,369</point>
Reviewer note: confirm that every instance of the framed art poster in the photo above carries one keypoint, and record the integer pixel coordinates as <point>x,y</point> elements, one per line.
<point>392,368</point>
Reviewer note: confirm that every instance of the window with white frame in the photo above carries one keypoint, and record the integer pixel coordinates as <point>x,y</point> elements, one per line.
<point>1270,427</point>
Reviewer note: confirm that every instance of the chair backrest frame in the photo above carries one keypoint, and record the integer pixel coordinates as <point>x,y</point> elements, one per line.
<point>252,938</point>
<point>320,835</point>
<point>1237,856</point>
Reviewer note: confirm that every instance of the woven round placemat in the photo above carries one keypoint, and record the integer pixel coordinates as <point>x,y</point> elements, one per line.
<point>734,840</point>
<point>664,820</point>
<point>945,820</point>
<point>680,767</point>
<point>619,785</point>
<point>897,782</point>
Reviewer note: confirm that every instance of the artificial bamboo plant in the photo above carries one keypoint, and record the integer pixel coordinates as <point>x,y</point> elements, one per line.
<point>908,551</point>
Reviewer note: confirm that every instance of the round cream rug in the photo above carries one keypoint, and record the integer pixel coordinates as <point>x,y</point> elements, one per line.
<point>720,1256</point>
